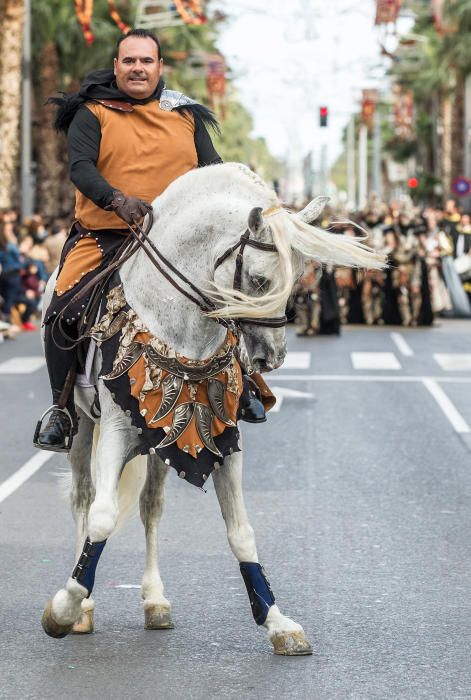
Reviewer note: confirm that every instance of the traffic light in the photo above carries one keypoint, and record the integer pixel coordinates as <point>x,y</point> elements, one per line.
<point>413,183</point>
<point>323,116</point>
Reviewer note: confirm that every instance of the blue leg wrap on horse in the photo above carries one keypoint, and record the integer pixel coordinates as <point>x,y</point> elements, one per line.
<point>84,572</point>
<point>260,594</point>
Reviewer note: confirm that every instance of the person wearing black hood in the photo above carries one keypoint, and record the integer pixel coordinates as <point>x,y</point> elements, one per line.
<point>128,138</point>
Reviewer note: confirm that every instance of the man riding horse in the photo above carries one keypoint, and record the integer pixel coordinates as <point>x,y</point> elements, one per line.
<point>128,138</point>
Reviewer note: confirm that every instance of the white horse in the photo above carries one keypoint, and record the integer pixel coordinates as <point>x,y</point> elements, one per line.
<point>196,219</point>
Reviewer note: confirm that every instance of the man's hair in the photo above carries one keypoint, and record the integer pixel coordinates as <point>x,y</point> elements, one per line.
<point>140,34</point>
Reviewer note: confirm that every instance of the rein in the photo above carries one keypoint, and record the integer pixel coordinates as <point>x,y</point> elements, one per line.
<point>139,238</point>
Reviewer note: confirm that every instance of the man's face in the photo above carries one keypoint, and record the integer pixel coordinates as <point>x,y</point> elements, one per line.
<point>137,68</point>
<point>450,206</point>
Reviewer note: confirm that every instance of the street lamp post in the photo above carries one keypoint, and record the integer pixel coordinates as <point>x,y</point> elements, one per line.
<point>377,179</point>
<point>26,174</point>
<point>363,166</point>
<point>351,179</point>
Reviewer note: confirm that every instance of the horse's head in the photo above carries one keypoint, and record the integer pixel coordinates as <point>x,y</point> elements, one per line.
<point>254,285</point>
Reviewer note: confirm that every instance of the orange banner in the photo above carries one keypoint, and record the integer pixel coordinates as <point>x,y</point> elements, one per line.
<point>369,100</point>
<point>387,11</point>
<point>403,113</point>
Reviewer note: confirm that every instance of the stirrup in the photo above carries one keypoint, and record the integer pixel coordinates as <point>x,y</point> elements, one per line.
<point>68,437</point>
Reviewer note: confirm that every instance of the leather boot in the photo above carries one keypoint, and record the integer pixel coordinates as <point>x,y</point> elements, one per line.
<point>251,407</point>
<point>57,434</point>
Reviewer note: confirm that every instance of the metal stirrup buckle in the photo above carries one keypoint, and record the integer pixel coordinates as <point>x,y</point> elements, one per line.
<point>67,439</point>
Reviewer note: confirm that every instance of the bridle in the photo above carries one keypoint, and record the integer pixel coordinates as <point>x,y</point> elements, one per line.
<point>197,296</point>
<point>138,237</point>
<point>244,241</point>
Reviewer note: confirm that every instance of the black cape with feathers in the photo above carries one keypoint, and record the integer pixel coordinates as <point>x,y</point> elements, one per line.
<point>101,85</point>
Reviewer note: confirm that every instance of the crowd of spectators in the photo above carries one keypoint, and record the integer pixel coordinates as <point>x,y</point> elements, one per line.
<point>29,252</point>
<point>429,271</point>
<point>428,251</point>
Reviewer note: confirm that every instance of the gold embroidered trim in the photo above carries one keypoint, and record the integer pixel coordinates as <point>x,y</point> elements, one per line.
<point>189,418</point>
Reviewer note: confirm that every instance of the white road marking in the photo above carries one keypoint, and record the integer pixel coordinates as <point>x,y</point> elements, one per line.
<point>23,474</point>
<point>402,344</point>
<point>128,585</point>
<point>22,365</point>
<point>375,360</point>
<point>448,408</point>
<point>297,360</point>
<point>453,362</point>
<point>282,392</point>
<point>365,378</point>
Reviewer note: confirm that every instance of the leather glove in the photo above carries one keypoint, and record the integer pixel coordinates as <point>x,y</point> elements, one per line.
<point>130,209</point>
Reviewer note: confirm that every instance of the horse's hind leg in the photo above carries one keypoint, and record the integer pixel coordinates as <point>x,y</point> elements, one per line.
<point>156,606</point>
<point>81,497</point>
<point>287,637</point>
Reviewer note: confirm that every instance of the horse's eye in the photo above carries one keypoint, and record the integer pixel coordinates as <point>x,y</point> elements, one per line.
<point>260,283</point>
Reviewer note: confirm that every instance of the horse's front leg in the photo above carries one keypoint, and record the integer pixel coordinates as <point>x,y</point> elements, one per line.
<point>287,636</point>
<point>81,497</point>
<point>157,609</point>
<point>117,439</point>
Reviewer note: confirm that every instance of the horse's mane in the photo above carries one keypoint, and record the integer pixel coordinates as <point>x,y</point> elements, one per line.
<point>295,240</point>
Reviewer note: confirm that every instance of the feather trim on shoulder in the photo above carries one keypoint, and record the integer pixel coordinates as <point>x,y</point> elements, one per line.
<point>67,106</point>
<point>201,114</point>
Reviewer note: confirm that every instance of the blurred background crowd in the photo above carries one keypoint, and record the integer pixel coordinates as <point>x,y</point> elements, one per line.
<point>428,251</point>
<point>29,252</point>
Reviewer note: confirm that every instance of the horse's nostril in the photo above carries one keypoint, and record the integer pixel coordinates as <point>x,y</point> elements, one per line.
<point>262,364</point>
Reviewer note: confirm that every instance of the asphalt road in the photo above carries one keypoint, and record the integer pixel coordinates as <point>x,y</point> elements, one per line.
<point>360,499</point>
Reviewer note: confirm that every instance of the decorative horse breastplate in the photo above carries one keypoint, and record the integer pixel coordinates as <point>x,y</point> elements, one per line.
<point>184,410</point>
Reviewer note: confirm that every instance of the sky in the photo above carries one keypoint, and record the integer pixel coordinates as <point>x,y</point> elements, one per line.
<point>289,57</point>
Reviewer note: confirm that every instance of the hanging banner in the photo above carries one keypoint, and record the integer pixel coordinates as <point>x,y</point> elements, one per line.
<point>190,11</point>
<point>437,15</point>
<point>84,13</point>
<point>387,11</point>
<point>441,23</point>
<point>216,82</point>
<point>116,17</point>
<point>403,113</point>
<point>369,100</point>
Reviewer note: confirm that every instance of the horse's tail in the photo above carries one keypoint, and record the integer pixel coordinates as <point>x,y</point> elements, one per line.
<point>130,484</point>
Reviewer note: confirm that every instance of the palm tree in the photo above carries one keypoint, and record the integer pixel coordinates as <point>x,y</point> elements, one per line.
<point>11,51</point>
<point>62,59</point>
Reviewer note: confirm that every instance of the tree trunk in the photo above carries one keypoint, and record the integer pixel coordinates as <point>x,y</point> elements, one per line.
<point>11,54</point>
<point>49,171</point>
<point>446,150</point>
<point>67,190</point>
<point>457,164</point>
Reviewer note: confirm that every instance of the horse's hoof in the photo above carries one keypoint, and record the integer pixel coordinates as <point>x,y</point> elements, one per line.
<point>84,624</point>
<point>157,617</point>
<point>291,644</point>
<point>51,626</point>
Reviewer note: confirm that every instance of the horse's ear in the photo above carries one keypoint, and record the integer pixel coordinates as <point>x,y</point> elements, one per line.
<point>313,210</point>
<point>255,222</point>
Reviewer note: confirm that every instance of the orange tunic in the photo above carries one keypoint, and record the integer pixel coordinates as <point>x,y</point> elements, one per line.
<point>141,153</point>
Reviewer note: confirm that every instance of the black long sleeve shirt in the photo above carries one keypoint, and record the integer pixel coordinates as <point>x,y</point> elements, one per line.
<point>83,147</point>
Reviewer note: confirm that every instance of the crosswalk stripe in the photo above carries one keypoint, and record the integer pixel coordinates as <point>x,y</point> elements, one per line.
<point>374,360</point>
<point>297,360</point>
<point>402,344</point>
<point>453,362</point>
<point>22,365</point>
